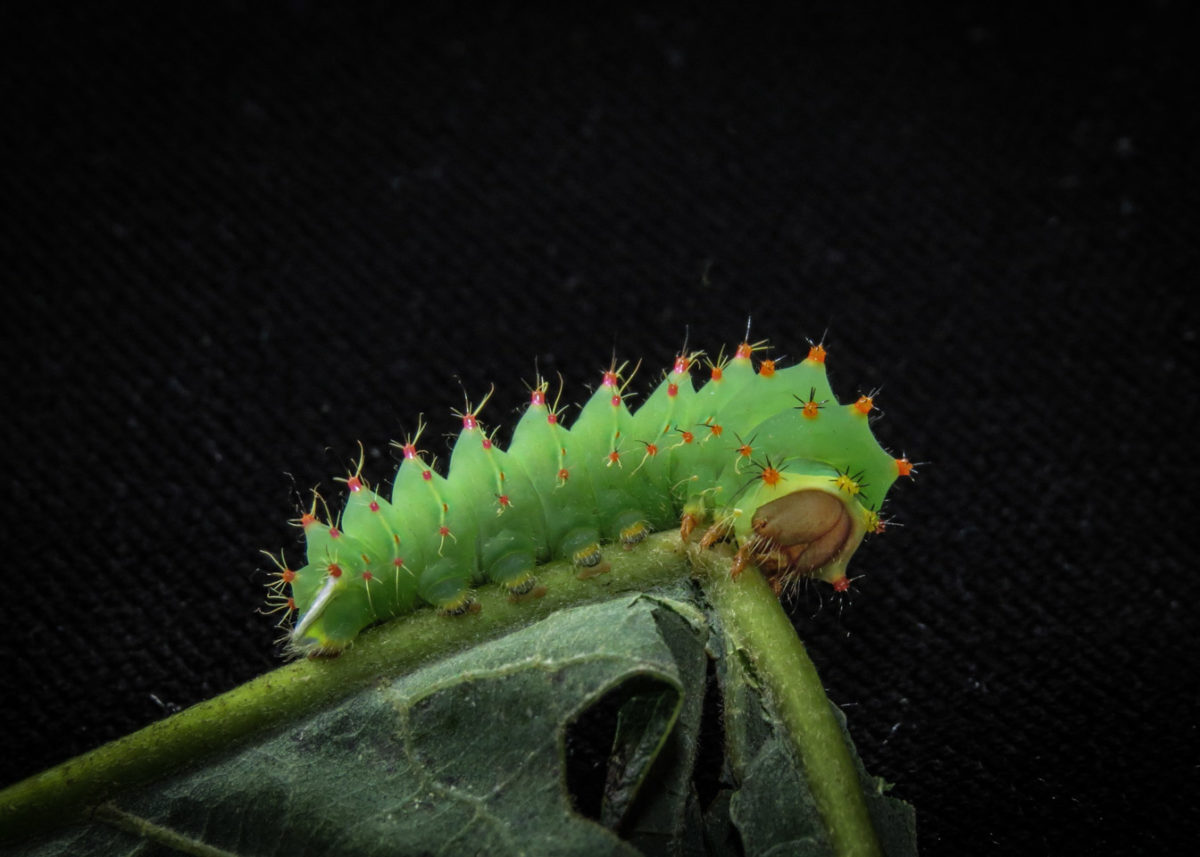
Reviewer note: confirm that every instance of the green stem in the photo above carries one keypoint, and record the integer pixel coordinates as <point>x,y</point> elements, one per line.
<point>754,622</point>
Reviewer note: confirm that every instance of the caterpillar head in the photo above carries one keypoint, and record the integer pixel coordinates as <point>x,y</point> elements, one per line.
<point>802,526</point>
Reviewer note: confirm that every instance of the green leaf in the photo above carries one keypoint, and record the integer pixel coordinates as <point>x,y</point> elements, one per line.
<point>469,754</point>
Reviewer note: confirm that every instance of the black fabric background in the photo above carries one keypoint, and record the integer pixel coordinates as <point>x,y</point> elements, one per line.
<point>239,238</point>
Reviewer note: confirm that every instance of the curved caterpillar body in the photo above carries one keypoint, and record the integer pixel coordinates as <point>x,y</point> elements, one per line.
<point>764,456</point>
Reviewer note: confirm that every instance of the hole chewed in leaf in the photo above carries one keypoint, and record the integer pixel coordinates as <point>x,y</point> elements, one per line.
<point>611,746</point>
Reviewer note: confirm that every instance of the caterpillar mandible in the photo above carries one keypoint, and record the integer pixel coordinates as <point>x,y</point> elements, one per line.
<point>765,456</point>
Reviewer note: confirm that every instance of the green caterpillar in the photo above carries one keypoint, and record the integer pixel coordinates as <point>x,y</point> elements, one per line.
<point>766,457</point>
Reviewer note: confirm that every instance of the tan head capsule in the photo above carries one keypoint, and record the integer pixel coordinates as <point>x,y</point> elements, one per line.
<point>800,532</point>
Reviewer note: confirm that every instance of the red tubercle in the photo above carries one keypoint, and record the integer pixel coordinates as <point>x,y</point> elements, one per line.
<point>469,422</point>
<point>682,365</point>
<point>718,373</point>
<point>287,575</point>
<point>552,418</point>
<point>410,450</point>
<point>688,437</point>
<point>443,531</point>
<point>743,351</point>
<point>427,475</point>
<point>609,378</point>
<point>841,584</point>
<point>335,533</point>
<point>563,475</point>
<point>864,405</point>
<point>335,570</point>
<point>672,390</point>
<point>616,401</point>
<point>504,501</point>
<point>614,457</point>
<point>354,484</point>
<point>307,519</point>
<point>487,443</point>
<point>537,398</point>
<point>816,354</point>
<point>374,507</point>
<point>766,368</point>
<point>651,449</point>
<point>367,576</point>
<point>398,562</point>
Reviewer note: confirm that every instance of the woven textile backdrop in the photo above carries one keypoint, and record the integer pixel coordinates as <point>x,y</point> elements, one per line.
<point>240,238</point>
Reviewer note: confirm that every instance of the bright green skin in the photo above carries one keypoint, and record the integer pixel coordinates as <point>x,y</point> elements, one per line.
<point>560,494</point>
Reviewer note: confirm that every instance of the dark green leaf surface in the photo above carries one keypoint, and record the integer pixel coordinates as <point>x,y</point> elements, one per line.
<point>467,756</point>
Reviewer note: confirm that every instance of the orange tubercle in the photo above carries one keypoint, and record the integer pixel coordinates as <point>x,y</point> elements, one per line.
<point>766,368</point>
<point>904,467</point>
<point>816,354</point>
<point>864,405</point>
<point>770,475</point>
